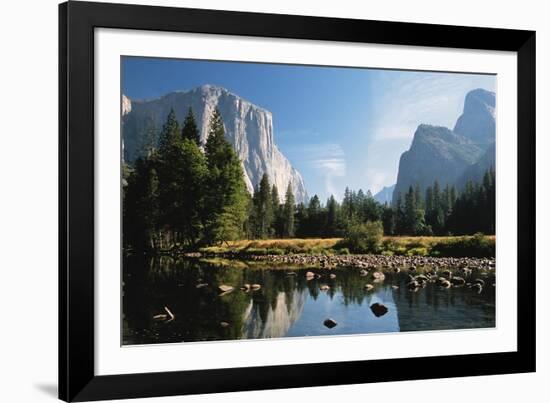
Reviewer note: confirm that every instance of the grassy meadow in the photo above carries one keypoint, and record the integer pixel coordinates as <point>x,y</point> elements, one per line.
<point>457,246</point>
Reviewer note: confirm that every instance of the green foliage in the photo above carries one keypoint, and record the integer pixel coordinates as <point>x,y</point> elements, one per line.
<point>190,130</point>
<point>262,216</point>
<point>140,212</point>
<point>419,251</point>
<point>364,238</point>
<point>288,213</point>
<point>466,246</point>
<point>178,196</point>
<point>343,251</point>
<point>474,209</point>
<point>182,173</point>
<point>226,197</point>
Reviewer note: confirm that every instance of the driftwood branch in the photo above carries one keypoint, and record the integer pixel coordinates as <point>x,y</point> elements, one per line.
<point>172,317</point>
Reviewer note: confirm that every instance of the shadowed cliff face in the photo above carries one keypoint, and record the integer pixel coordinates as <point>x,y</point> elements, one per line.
<point>248,128</point>
<point>477,122</point>
<point>435,154</point>
<point>451,157</point>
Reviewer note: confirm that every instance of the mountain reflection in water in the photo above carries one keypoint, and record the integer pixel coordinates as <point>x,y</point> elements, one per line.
<point>286,305</point>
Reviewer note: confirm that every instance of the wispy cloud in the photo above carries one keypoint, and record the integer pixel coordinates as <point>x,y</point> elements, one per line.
<point>411,98</point>
<point>328,159</point>
<point>376,180</point>
<point>401,102</point>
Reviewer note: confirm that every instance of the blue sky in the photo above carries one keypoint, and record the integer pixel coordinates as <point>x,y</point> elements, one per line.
<point>338,126</point>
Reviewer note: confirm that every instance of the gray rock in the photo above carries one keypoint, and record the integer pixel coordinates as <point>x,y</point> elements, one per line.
<point>378,309</point>
<point>330,323</point>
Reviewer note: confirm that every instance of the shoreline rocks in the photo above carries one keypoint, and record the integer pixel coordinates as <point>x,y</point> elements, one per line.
<point>412,264</point>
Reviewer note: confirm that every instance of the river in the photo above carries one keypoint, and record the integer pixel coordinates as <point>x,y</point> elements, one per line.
<point>168,301</point>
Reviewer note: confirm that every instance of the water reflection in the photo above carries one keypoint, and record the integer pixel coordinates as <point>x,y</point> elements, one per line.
<point>287,304</point>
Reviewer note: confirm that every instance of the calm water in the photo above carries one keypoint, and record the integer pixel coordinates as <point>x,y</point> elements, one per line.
<point>286,305</point>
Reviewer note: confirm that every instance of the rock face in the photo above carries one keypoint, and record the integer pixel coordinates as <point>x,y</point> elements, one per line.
<point>477,121</point>
<point>436,153</point>
<point>451,157</point>
<point>476,171</point>
<point>248,128</point>
<point>385,195</point>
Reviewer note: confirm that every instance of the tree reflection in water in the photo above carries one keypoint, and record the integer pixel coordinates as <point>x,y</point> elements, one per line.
<point>285,305</point>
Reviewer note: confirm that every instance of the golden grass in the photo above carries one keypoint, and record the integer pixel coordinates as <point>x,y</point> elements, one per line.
<point>428,240</point>
<point>317,245</point>
<point>285,243</point>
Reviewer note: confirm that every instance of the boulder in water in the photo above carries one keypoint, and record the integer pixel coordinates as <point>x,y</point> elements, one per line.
<point>378,309</point>
<point>330,323</point>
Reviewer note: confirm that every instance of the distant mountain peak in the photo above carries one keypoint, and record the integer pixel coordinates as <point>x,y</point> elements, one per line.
<point>449,156</point>
<point>385,195</point>
<point>477,121</point>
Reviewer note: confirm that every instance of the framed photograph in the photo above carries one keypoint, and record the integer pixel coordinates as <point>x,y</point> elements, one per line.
<point>256,201</point>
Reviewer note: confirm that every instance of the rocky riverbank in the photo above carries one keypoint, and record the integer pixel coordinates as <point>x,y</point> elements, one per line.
<point>395,263</point>
<point>379,261</point>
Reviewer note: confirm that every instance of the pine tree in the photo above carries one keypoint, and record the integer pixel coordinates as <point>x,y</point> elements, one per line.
<point>288,213</point>
<point>348,205</point>
<point>192,174</point>
<point>300,220</point>
<point>489,185</point>
<point>140,210</point>
<point>263,206</point>
<point>276,224</point>
<point>400,221</point>
<point>169,189</point>
<point>388,219</point>
<point>429,200</point>
<point>226,198</point>
<point>436,217</point>
<point>410,212</point>
<point>182,171</point>
<point>370,207</point>
<point>418,196</point>
<point>147,139</point>
<point>170,132</point>
<point>314,224</point>
<point>190,130</point>
<point>331,229</point>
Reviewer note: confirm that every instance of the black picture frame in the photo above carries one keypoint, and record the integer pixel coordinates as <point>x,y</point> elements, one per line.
<point>77,21</point>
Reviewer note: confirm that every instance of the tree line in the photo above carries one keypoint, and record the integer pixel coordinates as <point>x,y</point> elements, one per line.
<point>183,193</point>
<point>433,212</point>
